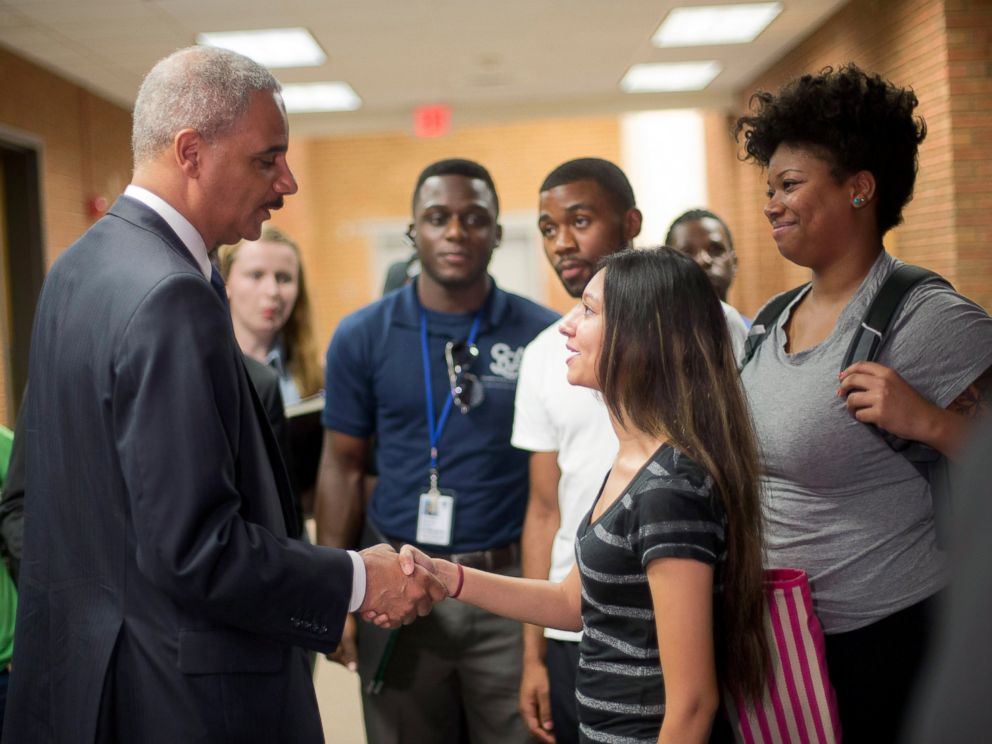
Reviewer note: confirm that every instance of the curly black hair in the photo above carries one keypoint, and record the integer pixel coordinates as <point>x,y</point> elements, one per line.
<point>608,175</point>
<point>694,215</point>
<point>856,120</point>
<point>456,167</point>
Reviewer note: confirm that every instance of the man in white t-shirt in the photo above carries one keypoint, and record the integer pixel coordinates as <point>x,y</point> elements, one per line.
<point>587,211</point>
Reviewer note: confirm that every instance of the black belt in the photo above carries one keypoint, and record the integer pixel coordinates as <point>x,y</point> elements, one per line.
<point>494,559</point>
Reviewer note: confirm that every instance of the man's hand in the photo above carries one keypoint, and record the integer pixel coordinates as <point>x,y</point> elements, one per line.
<point>393,597</point>
<point>411,557</point>
<point>346,654</point>
<point>535,700</point>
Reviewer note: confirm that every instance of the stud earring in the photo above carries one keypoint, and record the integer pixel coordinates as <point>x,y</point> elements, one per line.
<point>858,201</point>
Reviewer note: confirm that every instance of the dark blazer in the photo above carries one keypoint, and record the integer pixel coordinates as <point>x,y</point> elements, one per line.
<point>266,382</point>
<point>160,597</point>
<point>952,704</point>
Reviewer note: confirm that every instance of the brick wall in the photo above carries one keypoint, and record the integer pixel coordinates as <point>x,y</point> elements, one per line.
<point>348,181</point>
<point>85,152</point>
<point>969,72</point>
<point>85,141</point>
<point>941,50</point>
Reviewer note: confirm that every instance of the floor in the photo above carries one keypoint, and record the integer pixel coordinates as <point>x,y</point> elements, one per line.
<point>340,703</point>
<point>338,696</point>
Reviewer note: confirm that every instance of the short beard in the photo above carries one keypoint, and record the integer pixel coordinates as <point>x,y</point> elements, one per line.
<point>575,287</point>
<point>576,292</point>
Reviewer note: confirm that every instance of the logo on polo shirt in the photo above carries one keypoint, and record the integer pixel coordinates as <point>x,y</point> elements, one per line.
<point>505,360</point>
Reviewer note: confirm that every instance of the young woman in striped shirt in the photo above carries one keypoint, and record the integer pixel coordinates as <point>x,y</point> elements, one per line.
<point>668,585</point>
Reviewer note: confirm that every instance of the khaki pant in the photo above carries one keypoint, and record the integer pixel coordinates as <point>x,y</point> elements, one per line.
<point>457,662</point>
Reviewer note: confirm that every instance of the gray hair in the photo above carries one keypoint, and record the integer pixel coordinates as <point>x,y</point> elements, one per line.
<point>199,88</point>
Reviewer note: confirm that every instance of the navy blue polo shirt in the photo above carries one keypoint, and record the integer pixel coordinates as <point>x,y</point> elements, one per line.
<point>375,386</point>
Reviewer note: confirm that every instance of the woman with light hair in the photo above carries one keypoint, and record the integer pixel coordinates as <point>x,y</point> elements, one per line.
<point>270,310</point>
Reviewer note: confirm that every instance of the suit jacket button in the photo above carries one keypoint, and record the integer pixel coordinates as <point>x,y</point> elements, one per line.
<point>323,629</point>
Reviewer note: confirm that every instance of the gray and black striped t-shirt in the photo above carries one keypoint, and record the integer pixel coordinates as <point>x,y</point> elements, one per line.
<point>669,510</point>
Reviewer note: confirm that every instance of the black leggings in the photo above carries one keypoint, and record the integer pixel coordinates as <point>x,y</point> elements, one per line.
<point>563,663</point>
<point>874,670</point>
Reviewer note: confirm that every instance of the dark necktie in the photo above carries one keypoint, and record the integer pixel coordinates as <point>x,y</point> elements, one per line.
<point>217,282</point>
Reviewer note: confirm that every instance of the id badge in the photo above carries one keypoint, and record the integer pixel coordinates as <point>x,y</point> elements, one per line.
<point>435,517</point>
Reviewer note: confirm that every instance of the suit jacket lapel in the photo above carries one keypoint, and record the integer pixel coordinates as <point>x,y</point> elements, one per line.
<point>279,473</point>
<point>145,218</point>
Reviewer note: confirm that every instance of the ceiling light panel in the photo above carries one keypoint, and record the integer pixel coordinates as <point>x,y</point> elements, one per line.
<point>715,24</point>
<point>669,77</point>
<point>273,47</point>
<point>304,98</point>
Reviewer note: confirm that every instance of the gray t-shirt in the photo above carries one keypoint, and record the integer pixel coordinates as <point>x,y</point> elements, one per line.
<point>837,501</point>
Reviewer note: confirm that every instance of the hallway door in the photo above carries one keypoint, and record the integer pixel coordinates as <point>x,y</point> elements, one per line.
<point>22,266</point>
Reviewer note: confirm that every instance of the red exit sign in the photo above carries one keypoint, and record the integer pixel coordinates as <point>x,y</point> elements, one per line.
<point>431,121</point>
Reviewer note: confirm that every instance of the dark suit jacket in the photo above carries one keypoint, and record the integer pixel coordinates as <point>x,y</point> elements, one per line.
<point>266,382</point>
<point>161,599</point>
<point>952,705</point>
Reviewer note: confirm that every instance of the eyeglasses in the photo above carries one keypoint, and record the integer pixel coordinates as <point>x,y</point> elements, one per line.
<point>466,389</point>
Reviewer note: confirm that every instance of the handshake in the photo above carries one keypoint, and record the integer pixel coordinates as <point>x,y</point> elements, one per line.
<point>400,587</point>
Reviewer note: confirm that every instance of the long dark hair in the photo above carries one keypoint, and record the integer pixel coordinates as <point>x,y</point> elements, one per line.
<point>668,369</point>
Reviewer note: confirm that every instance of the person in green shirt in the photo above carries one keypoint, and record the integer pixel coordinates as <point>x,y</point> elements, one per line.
<point>8,592</point>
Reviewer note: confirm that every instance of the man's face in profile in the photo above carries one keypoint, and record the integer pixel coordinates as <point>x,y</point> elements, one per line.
<point>244,174</point>
<point>580,223</point>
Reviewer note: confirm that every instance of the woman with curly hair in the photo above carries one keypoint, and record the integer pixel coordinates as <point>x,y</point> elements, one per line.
<point>668,583</point>
<point>840,149</point>
<point>270,310</point>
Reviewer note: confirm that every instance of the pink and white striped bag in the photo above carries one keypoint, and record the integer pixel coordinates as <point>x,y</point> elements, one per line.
<point>799,705</point>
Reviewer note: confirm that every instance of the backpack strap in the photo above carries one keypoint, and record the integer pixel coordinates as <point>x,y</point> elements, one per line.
<point>866,346</point>
<point>870,335</point>
<point>765,321</point>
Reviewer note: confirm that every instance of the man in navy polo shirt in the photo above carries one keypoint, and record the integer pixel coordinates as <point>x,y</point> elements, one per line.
<point>430,372</point>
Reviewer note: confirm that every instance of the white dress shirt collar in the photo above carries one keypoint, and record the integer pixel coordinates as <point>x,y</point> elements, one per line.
<point>188,234</point>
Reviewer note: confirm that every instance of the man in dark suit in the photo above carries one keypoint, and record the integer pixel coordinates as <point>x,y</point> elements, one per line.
<point>161,597</point>
<point>952,705</point>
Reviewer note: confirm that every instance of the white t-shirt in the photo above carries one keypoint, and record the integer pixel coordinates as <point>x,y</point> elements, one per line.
<point>550,415</point>
<point>737,328</point>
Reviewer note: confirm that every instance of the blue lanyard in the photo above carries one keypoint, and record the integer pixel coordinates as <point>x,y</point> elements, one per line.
<point>435,430</point>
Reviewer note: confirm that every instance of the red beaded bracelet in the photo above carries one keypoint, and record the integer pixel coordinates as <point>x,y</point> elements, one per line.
<point>461,581</point>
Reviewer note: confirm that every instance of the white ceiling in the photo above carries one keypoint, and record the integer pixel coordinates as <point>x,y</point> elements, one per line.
<point>488,60</point>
